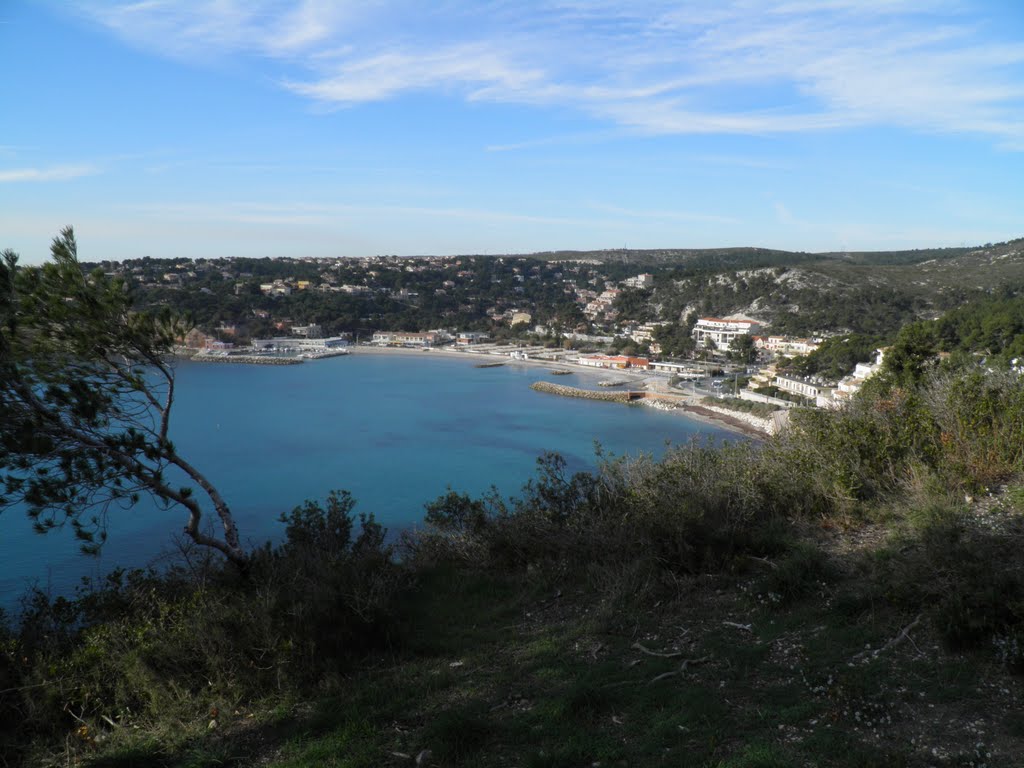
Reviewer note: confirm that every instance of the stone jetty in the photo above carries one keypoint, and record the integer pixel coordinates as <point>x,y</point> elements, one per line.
<point>249,359</point>
<point>586,394</point>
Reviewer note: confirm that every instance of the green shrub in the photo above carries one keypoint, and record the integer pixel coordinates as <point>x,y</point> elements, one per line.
<point>979,422</point>
<point>697,508</point>
<point>141,645</point>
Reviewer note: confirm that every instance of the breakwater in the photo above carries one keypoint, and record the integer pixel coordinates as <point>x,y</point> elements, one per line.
<point>249,359</point>
<point>585,394</point>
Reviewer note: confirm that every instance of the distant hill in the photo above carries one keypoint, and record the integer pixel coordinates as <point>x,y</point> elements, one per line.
<point>870,292</point>
<point>733,257</point>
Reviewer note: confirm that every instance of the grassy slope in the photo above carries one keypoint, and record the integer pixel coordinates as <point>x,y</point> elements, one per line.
<point>797,662</point>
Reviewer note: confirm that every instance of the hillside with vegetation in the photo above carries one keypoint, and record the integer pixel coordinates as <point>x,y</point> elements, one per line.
<point>863,293</point>
<point>847,593</point>
<point>794,293</point>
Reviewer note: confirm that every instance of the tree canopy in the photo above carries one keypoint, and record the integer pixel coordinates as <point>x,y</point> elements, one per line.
<point>742,348</point>
<point>86,395</point>
<point>838,356</point>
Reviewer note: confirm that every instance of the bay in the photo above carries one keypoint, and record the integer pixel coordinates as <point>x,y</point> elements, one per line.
<point>395,430</point>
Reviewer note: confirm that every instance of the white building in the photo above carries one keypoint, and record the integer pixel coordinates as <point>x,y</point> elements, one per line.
<point>602,305</point>
<point>278,343</point>
<point>801,387</point>
<point>682,370</point>
<point>291,344</point>
<point>786,345</point>
<point>849,385</point>
<point>722,331</point>
<point>644,333</point>
<point>354,289</point>
<point>640,281</point>
<point>276,288</point>
<point>332,342</point>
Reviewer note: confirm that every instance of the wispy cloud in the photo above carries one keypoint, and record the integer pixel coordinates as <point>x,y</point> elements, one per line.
<point>652,66</point>
<point>53,173</point>
<point>388,74</point>
<point>210,28</point>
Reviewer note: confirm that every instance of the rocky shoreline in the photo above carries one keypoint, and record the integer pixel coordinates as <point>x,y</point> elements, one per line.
<point>756,423</point>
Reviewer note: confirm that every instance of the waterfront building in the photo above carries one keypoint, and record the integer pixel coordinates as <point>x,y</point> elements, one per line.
<point>406,338</point>
<point>683,370</point>
<point>614,361</point>
<point>293,344</point>
<point>471,337</point>
<point>332,342</point>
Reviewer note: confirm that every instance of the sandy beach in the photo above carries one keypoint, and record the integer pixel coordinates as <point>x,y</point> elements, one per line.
<point>689,405</point>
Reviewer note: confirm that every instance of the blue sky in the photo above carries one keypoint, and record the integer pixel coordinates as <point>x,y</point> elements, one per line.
<point>338,128</point>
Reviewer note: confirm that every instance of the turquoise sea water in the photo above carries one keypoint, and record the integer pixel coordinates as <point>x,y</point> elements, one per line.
<point>395,430</point>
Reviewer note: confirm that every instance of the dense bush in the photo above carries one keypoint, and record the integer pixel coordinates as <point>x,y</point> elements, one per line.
<point>702,505</point>
<point>697,508</point>
<point>142,645</point>
<point>978,426</point>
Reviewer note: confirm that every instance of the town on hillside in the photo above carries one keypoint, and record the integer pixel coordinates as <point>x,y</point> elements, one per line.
<point>775,328</point>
